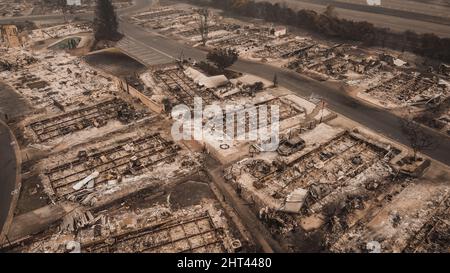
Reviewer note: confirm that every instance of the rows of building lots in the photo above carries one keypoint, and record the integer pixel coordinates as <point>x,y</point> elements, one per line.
<point>12,8</point>
<point>374,73</point>
<point>266,42</point>
<point>137,227</point>
<point>130,157</point>
<point>73,104</point>
<point>108,147</point>
<point>247,39</point>
<point>323,177</point>
<point>426,96</point>
<point>88,145</point>
<point>332,185</point>
<point>50,79</point>
<point>117,165</point>
<point>239,98</point>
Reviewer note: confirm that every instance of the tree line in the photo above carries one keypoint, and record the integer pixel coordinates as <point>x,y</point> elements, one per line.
<point>428,45</point>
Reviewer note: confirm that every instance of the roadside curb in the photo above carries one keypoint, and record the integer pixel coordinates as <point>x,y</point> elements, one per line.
<point>18,186</point>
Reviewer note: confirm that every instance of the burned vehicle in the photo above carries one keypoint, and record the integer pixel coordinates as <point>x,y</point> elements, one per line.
<point>291,145</point>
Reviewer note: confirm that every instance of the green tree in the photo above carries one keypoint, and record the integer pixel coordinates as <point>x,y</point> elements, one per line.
<point>223,58</point>
<point>105,21</point>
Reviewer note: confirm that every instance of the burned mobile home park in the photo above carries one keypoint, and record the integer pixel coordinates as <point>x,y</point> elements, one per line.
<point>88,117</point>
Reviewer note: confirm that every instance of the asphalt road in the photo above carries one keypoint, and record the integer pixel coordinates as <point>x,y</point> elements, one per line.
<point>11,102</point>
<point>7,174</point>
<point>377,119</point>
<point>14,105</point>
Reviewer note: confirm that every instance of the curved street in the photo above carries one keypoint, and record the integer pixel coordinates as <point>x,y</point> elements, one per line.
<point>8,176</point>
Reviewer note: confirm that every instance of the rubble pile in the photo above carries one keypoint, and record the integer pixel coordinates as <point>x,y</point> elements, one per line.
<point>333,186</point>
<point>373,73</point>
<point>410,89</point>
<point>47,77</point>
<point>92,172</point>
<point>101,149</point>
<point>200,228</point>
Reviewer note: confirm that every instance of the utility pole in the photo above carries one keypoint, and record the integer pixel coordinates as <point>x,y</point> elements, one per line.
<point>181,57</point>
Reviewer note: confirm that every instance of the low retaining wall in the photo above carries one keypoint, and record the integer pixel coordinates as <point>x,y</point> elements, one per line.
<point>153,105</point>
<point>124,87</point>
